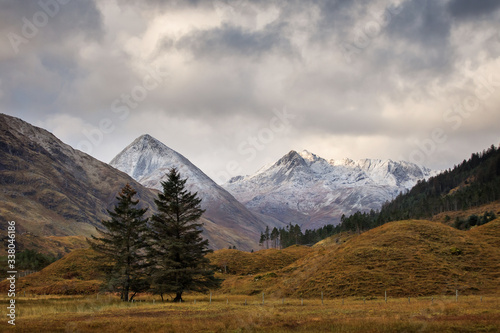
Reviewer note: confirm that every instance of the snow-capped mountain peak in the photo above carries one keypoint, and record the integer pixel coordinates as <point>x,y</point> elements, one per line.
<point>308,156</point>
<point>149,161</point>
<point>313,191</point>
<point>291,160</point>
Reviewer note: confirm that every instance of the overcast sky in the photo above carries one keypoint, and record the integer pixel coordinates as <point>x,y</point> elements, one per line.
<point>234,85</point>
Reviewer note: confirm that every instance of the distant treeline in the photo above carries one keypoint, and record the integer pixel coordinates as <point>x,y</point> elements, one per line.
<point>293,235</point>
<point>33,260</point>
<point>472,183</point>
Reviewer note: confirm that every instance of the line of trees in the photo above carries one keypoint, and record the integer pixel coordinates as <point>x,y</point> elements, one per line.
<point>33,260</point>
<point>293,235</point>
<point>164,254</point>
<point>474,220</point>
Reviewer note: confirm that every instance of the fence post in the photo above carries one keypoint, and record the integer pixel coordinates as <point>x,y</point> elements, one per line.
<point>210,298</point>
<point>302,302</point>
<point>263,299</point>
<point>321,297</point>
<point>385,296</point>
<point>456,295</point>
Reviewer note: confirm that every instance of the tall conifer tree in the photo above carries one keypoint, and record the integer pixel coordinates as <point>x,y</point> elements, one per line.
<point>123,244</point>
<point>177,250</point>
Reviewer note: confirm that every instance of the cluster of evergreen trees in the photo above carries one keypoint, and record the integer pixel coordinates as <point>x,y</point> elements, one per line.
<point>164,254</point>
<point>474,220</point>
<point>472,183</point>
<point>293,235</point>
<point>33,260</point>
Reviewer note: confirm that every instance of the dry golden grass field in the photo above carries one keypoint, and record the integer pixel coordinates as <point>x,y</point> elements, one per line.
<point>230,314</point>
<point>427,261</point>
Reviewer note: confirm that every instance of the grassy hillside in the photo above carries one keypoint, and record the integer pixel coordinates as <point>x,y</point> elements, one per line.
<point>55,246</point>
<point>243,263</point>
<point>450,216</point>
<point>406,258</point>
<point>80,272</point>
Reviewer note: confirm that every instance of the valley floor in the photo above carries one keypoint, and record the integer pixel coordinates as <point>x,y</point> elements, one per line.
<point>104,313</point>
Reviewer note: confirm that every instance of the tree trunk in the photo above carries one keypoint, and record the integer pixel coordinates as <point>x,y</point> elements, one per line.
<point>178,297</point>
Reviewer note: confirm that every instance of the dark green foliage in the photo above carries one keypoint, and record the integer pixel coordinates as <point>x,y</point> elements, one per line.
<point>472,183</point>
<point>123,244</point>
<point>33,260</point>
<point>177,250</point>
<point>474,220</point>
<point>293,235</point>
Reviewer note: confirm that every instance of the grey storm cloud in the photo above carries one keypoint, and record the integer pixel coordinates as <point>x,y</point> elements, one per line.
<point>233,63</point>
<point>38,56</point>
<point>470,9</point>
<point>230,40</point>
<point>65,19</point>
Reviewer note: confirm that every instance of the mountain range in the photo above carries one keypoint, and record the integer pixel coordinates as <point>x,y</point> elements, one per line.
<point>51,189</point>
<point>305,189</point>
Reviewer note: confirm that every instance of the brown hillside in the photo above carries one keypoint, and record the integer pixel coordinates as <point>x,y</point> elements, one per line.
<point>80,272</point>
<point>463,214</point>
<point>407,258</point>
<point>51,189</point>
<point>54,246</point>
<point>244,263</point>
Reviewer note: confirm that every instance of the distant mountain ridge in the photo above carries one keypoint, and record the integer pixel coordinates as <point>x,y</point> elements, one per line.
<point>305,189</point>
<point>51,189</point>
<point>228,222</point>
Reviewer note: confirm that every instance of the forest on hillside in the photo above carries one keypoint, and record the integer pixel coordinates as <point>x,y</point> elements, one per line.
<point>472,183</point>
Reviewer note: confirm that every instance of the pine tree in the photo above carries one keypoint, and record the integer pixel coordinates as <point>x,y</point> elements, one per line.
<point>267,236</point>
<point>123,245</point>
<point>177,250</point>
<point>275,234</point>
<point>262,239</point>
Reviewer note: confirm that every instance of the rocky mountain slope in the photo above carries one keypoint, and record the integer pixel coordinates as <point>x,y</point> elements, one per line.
<point>51,189</point>
<point>305,189</point>
<point>228,222</point>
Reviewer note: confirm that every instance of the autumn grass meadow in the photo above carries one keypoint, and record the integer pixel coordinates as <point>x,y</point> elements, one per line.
<point>105,313</point>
